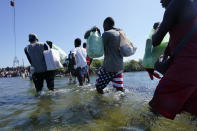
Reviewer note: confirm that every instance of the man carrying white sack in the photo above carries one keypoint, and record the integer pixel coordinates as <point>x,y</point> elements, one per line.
<point>112,69</point>
<point>79,56</point>
<point>34,52</point>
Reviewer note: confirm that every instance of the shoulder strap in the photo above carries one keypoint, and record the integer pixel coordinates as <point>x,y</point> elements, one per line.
<point>187,37</point>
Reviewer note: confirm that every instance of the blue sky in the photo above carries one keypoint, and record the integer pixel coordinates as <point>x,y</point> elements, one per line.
<point>61,21</point>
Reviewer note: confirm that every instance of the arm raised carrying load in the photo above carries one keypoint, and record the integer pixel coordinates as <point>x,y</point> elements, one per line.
<point>152,54</point>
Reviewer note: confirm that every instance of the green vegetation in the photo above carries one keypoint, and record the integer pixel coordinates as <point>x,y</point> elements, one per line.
<point>96,64</point>
<point>133,65</point>
<point>129,66</point>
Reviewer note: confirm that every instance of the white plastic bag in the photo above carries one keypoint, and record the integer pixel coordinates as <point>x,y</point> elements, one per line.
<point>52,59</point>
<point>126,47</point>
<point>61,53</point>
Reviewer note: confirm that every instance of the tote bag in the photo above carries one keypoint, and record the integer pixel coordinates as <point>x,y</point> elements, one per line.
<point>126,46</point>
<point>52,60</point>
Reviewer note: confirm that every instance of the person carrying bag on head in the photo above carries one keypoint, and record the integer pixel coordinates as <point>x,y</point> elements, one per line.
<point>95,47</point>
<point>116,46</point>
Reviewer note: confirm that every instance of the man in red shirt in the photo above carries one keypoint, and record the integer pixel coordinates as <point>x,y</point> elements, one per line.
<point>89,61</point>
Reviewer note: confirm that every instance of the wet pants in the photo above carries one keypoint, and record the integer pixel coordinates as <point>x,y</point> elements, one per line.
<point>81,74</point>
<point>38,79</point>
<point>105,77</point>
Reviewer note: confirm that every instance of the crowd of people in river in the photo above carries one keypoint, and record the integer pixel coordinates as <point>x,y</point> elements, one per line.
<point>14,72</point>
<point>176,91</point>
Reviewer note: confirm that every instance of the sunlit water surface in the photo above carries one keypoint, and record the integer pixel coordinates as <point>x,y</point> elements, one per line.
<point>73,108</point>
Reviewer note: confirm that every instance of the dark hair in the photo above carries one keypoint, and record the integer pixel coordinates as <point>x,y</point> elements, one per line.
<point>108,24</point>
<point>109,21</point>
<point>165,3</point>
<point>77,42</point>
<point>156,25</point>
<point>32,38</point>
<point>84,45</point>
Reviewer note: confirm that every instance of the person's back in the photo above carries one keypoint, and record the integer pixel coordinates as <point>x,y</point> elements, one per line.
<point>80,58</point>
<point>112,69</point>
<point>35,52</point>
<point>113,61</point>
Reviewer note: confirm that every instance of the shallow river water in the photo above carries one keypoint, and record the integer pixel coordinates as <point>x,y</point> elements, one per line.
<point>73,108</point>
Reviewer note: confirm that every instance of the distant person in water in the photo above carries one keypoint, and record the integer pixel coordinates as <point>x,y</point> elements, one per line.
<point>79,55</point>
<point>112,69</point>
<point>34,52</point>
<point>70,68</point>
<point>89,61</point>
<point>177,90</point>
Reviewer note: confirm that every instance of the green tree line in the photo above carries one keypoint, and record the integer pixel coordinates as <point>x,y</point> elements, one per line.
<point>129,66</point>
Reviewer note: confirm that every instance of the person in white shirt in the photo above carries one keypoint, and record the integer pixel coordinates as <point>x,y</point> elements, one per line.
<point>79,55</point>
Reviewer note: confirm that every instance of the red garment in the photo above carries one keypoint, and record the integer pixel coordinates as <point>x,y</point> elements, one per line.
<point>172,97</point>
<point>88,60</point>
<point>184,66</point>
<point>177,90</point>
<point>117,81</point>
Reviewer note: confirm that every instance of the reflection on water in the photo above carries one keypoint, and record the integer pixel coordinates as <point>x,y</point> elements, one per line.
<point>80,108</point>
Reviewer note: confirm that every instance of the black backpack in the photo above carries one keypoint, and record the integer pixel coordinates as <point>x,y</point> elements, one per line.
<point>70,59</point>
